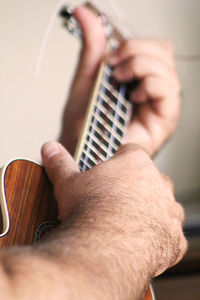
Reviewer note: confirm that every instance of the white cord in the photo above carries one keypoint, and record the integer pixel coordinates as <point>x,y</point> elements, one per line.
<point>46,36</point>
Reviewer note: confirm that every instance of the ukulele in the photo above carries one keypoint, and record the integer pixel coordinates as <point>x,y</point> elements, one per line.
<point>28,208</point>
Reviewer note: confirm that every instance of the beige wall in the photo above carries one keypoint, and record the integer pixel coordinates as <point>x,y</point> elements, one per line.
<point>31,106</point>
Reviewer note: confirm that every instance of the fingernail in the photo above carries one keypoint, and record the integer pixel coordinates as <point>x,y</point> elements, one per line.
<point>50,149</point>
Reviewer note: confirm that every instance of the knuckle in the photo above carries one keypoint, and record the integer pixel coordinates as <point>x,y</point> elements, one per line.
<point>132,149</point>
<point>181,212</point>
<point>184,246</point>
<point>179,244</point>
<point>168,182</point>
<point>136,66</point>
<point>127,46</point>
<point>181,249</point>
<point>149,85</point>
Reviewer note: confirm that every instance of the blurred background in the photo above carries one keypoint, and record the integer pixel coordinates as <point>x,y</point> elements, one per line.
<point>35,80</point>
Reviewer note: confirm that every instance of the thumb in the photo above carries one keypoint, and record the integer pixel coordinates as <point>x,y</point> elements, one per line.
<point>58,163</point>
<point>93,40</point>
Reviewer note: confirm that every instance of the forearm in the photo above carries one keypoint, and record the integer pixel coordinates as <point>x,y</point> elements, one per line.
<point>85,261</point>
<point>29,275</point>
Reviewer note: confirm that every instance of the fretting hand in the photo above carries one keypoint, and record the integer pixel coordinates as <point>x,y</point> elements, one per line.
<point>156,100</point>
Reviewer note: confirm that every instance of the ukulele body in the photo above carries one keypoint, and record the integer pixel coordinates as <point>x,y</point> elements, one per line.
<point>28,208</point>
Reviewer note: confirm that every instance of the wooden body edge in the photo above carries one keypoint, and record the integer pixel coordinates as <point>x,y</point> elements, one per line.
<point>3,202</point>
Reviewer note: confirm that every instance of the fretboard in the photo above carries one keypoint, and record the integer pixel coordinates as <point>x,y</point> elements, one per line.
<point>106,121</point>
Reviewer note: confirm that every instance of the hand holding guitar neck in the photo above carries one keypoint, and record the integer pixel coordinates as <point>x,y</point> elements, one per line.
<point>156,99</point>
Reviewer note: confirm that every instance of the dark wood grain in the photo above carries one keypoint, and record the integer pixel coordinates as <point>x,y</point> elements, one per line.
<point>30,202</point>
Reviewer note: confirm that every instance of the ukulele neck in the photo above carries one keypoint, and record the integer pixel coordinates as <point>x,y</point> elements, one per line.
<point>109,110</point>
<point>107,118</point>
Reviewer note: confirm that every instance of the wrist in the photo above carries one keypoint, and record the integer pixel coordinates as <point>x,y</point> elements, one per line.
<point>109,268</point>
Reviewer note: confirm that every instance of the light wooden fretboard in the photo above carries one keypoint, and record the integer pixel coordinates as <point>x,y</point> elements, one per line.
<point>106,121</point>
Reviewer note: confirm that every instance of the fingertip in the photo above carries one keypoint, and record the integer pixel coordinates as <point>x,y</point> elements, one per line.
<point>57,161</point>
<point>50,149</point>
<point>90,23</point>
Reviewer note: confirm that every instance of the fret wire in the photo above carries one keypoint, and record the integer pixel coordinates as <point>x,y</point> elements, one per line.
<point>108,78</point>
<point>120,125</point>
<point>90,139</point>
<point>105,137</point>
<point>128,106</point>
<point>117,114</point>
<point>105,117</point>
<point>100,101</point>
<point>123,90</point>
<point>115,119</point>
<point>108,137</point>
<point>84,165</point>
<point>107,150</point>
<point>90,162</point>
<point>101,145</point>
<point>113,128</point>
<point>81,165</point>
<point>85,161</point>
<point>106,111</point>
<point>108,100</point>
<point>106,127</point>
<point>90,156</point>
<point>91,153</point>
<point>115,93</point>
<point>95,150</point>
<point>108,121</point>
<point>98,136</point>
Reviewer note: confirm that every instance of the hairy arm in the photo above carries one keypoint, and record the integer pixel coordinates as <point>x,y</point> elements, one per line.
<point>124,228</point>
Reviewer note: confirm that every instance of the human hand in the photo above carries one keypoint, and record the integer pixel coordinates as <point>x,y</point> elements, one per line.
<point>156,100</point>
<point>123,207</point>
<point>92,52</point>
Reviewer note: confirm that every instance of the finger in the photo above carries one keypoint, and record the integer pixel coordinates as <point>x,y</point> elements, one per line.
<point>155,87</point>
<point>180,213</point>
<point>93,40</point>
<point>168,182</point>
<point>140,67</point>
<point>58,163</point>
<point>91,54</point>
<point>182,249</point>
<point>160,49</point>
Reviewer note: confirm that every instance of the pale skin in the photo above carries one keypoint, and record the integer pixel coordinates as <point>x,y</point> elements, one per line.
<point>121,226</point>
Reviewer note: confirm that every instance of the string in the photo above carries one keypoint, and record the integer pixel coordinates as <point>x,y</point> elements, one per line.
<point>46,36</point>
